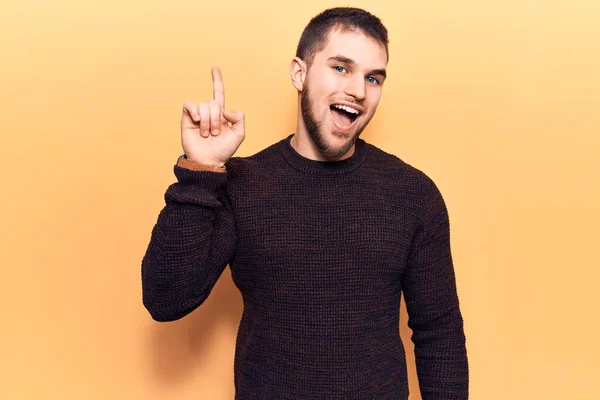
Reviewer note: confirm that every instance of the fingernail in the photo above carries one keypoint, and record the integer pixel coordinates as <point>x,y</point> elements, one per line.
<point>206,133</point>
<point>216,131</point>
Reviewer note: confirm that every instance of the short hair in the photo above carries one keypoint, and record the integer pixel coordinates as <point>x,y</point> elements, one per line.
<point>315,34</point>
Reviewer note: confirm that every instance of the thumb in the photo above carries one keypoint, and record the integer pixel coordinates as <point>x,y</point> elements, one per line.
<point>234,117</point>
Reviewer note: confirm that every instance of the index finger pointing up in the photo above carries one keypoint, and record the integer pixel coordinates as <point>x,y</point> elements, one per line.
<point>218,90</point>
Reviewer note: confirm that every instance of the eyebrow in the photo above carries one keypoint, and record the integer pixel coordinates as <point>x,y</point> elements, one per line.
<point>350,61</point>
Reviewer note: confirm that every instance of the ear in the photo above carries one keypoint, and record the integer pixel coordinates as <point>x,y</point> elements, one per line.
<point>298,73</point>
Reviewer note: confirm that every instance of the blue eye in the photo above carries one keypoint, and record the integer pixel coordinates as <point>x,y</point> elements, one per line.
<point>372,80</point>
<point>340,69</point>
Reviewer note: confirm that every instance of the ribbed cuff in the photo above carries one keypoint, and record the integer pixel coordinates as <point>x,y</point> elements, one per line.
<point>196,187</point>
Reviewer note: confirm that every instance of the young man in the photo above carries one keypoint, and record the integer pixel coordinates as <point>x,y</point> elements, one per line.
<point>322,232</point>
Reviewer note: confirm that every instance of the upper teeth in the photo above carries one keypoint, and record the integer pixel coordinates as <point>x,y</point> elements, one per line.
<point>346,108</point>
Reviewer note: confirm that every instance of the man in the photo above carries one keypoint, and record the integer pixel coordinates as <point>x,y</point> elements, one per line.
<point>322,232</point>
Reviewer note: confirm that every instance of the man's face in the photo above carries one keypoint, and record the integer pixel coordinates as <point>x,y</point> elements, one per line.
<point>342,90</point>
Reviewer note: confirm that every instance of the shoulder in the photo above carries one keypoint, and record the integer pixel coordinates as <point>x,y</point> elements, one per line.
<point>411,184</point>
<point>397,170</point>
<point>262,162</point>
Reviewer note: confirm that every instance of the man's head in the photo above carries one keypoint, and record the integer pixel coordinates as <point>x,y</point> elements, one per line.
<point>338,71</point>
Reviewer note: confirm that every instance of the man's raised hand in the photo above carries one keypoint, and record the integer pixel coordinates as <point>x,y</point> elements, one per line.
<point>210,134</point>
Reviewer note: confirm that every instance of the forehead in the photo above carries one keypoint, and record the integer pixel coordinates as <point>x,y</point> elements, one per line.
<point>364,50</point>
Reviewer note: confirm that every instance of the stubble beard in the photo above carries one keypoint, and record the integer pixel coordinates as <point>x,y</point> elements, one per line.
<point>315,129</point>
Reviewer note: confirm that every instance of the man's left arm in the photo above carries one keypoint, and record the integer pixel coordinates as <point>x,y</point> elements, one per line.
<point>429,288</point>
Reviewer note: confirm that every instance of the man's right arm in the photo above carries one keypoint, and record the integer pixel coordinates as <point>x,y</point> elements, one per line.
<point>192,242</point>
<point>194,237</point>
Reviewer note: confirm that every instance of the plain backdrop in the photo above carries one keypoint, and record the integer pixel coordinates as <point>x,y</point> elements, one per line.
<point>497,100</point>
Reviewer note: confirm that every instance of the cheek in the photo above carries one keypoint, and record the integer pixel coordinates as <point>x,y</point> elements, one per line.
<point>330,86</point>
<point>374,98</point>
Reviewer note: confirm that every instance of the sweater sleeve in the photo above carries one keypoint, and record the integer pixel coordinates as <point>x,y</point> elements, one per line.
<point>191,243</point>
<point>429,288</point>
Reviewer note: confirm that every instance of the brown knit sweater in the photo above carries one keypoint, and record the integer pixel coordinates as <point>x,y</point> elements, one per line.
<point>320,252</point>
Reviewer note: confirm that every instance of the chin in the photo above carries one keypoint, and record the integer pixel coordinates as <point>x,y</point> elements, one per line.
<point>335,144</point>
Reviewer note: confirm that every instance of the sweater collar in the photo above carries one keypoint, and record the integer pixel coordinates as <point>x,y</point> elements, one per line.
<point>309,166</point>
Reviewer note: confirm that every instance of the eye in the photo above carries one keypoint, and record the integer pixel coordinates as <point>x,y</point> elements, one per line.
<point>372,79</point>
<point>339,68</point>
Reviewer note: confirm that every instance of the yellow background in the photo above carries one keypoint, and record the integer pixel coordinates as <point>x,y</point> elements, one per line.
<point>497,100</point>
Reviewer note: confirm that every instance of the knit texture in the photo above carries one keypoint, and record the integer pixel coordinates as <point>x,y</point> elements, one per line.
<point>321,252</point>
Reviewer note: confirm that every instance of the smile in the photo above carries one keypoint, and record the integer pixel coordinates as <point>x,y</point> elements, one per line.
<point>344,115</point>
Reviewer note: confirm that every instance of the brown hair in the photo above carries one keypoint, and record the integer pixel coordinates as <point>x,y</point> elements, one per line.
<point>314,36</point>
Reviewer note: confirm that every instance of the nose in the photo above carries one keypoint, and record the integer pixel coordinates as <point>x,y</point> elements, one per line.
<point>356,87</point>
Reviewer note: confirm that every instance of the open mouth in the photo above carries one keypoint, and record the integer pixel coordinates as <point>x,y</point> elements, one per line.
<point>344,115</point>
